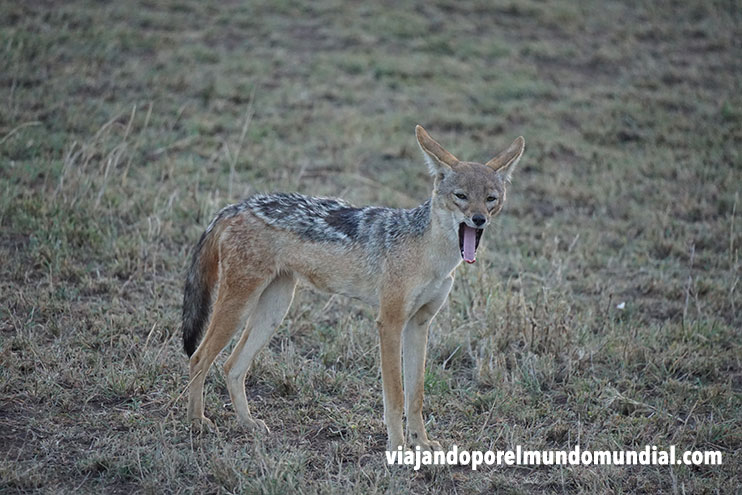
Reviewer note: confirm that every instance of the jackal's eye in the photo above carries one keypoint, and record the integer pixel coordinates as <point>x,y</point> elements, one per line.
<point>460,195</point>
<point>490,199</point>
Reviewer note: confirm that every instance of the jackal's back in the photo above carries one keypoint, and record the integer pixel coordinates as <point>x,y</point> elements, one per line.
<point>336,221</point>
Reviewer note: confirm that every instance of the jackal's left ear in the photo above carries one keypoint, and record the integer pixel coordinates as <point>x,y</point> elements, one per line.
<point>506,161</point>
<point>438,159</point>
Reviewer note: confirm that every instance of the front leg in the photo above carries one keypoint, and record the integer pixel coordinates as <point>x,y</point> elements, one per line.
<point>415,346</point>
<point>391,323</point>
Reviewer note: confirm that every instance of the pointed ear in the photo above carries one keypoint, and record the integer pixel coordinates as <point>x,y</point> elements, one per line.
<point>506,161</point>
<point>438,159</point>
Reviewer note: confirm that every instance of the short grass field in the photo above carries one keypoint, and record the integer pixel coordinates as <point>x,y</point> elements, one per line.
<point>604,309</point>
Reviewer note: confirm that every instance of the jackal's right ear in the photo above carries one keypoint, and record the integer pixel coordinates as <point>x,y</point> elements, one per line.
<point>438,159</point>
<point>506,161</point>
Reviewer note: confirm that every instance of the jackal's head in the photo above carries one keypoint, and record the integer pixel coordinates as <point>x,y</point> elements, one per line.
<point>471,192</point>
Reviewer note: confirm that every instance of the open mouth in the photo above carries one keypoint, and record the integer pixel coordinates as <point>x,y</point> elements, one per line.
<point>469,242</point>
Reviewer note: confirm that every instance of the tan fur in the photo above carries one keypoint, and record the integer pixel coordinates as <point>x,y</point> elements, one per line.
<point>259,265</point>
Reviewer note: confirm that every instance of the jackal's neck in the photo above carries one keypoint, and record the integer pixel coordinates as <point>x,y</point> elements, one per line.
<point>442,223</point>
<point>443,230</point>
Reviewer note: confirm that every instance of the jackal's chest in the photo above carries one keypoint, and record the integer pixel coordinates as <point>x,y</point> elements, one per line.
<point>443,259</point>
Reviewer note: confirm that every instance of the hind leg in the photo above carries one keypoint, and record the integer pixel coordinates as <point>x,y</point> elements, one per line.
<point>271,308</point>
<point>233,303</point>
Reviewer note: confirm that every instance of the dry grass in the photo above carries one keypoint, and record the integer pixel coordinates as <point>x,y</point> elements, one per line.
<point>124,128</point>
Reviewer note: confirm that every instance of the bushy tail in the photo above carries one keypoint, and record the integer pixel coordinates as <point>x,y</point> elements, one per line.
<point>199,284</point>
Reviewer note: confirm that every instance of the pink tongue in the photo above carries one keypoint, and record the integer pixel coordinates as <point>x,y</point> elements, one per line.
<point>469,243</point>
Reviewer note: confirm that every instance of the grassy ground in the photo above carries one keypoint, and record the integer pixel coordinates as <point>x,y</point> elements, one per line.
<point>125,126</point>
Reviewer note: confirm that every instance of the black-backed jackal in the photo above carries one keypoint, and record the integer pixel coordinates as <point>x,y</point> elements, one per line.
<point>400,261</point>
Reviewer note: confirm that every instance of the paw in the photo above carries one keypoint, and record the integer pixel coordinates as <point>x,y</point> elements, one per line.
<point>430,445</point>
<point>257,426</point>
<point>395,444</point>
<point>424,442</point>
<point>203,423</point>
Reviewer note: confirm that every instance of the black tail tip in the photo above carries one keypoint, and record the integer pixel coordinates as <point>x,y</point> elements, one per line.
<point>189,344</point>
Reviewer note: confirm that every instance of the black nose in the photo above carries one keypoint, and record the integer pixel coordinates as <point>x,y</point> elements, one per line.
<point>478,219</point>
